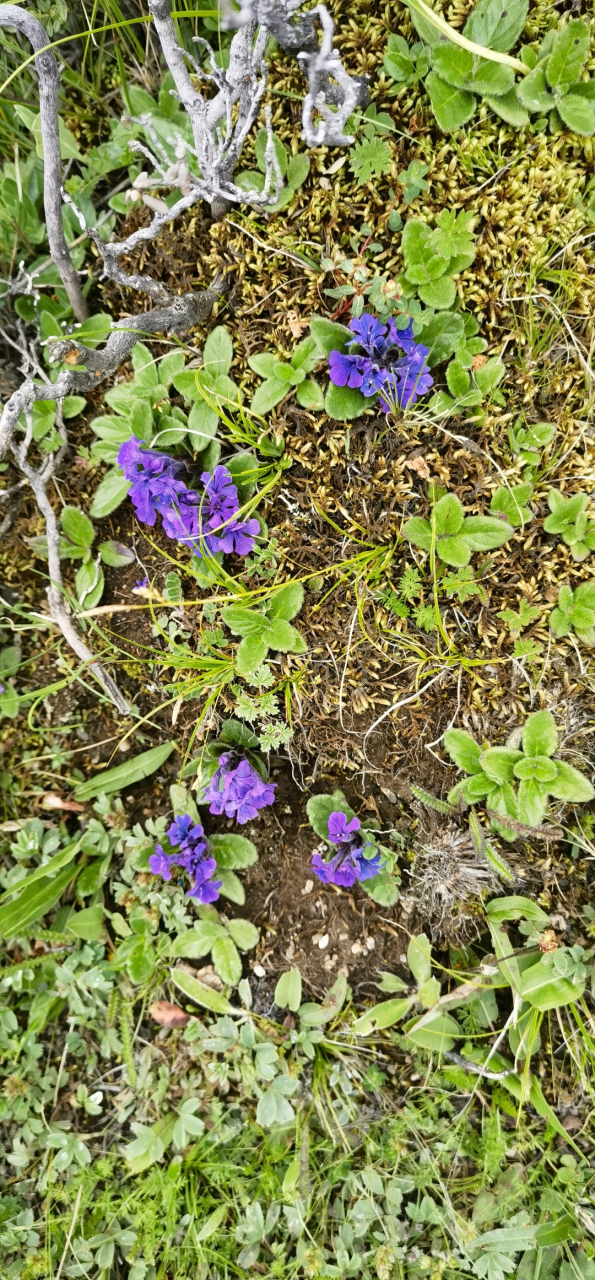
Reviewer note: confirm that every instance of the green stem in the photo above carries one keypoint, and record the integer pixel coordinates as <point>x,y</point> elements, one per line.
<point>478,50</point>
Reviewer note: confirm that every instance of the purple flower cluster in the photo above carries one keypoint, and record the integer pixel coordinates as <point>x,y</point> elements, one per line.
<point>399,380</point>
<point>205,520</point>
<point>191,855</point>
<point>349,864</point>
<point>236,789</point>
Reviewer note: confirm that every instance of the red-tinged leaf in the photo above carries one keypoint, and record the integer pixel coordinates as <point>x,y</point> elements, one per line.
<point>168,1015</point>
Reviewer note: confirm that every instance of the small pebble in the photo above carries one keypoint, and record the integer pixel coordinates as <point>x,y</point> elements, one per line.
<point>259,971</point>
<point>308,887</point>
<point>323,942</point>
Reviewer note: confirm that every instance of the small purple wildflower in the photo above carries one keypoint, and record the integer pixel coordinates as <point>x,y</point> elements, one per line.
<point>399,380</point>
<point>239,536</point>
<point>153,477</point>
<point>221,495</point>
<point>349,864</point>
<point>191,855</point>
<point>142,582</point>
<point>183,522</point>
<point>2,688</point>
<point>237,790</point>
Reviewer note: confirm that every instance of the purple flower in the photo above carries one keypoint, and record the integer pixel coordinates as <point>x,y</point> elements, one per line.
<point>183,522</point>
<point>191,855</point>
<point>237,790</point>
<point>399,380</point>
<point>350,863</point>
<point>348,371</point>
<point>142,582</point>
<point>222,496</point>
<point>239,536</point>
<point>340,831</point>
<point>153,476</point>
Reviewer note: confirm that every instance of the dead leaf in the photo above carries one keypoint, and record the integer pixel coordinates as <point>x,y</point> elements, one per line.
<point>296,328</point>
<point>420,465</point>
<point>209,977</point>
<point>168,1015</point>
<point>478,362</point>
<point>51,801</point>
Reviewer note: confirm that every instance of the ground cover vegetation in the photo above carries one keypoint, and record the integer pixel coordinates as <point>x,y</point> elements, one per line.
<point>297,609</point>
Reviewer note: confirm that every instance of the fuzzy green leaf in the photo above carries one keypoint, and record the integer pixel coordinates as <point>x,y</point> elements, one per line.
<point>343,403</point>
<point>288,991</point>
<point>577,114</point>
<point>463,749</point>
<point>533,93</point>
<point>509,108</point>
<point>232,852</point>
<point>569,55</point>
<point>540,736</point>
<point>439,294</point>
<point>329,336</point>
<point>199,993</point>
<point>452,107</point>
<point>110,493</point>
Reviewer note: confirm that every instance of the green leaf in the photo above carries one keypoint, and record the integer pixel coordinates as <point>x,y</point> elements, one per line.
<point>533,93</point>
<point>570,784</point>
<point>232,851</point>
<point>251,653</point>
<point>260,149</point>
<point>125,775</point>
<point>282,636</point>
<point>343,403</point>
<point>492,78</point>
<point>310,395</point>
<point>211,1224</point>
<point>458,379</point>
<point>577,114</point>
<point>89,583</point>
<point>110,493</point>
<point>43,872</point>
<point>437,1035</point>
<point>452,107</point>
<point>370,158</point>
<point>244,622</point>
<point>218,352</point>
<point>496,24</point>
<point>463,749</point>
<point>453,551</point>
<point>77,527</point>
<point>202,424</point>
<point>483,533</point>
<point>419,532</point>
<point>544,990</point>
<point>199,993</point>
<point>329,336</point>
<point>288,991</point>
<point>442,335</point>
<point>381,1016</point>
<point>511,502</point>
<point>382,888</point>
<point>226,961</point>
<point>298,168</point>
<point>516,908</point>
<point>532,802</point>
<point>287,602</point>
<point>490,374</point>
<point>268,394</point>
<point>33,903</point>
<point>231,886</point>
<point>262,363</point>
<point>86,924</point>
<point>244,933</point>
<point>453,64</point>
<point>569,55</point>
<point>419,958</point>
<point>540,736</point>
<point>448,515</point>
<point>439,294</point>
<point>498,763</point>
<point>72,406</point>
<point>320,807</point>
<point>508,107</point>
<point>116,555</point>
<point>237,733</point>
<point>195,943</point>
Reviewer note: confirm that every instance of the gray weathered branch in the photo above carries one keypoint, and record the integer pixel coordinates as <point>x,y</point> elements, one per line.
<point>47,70</point>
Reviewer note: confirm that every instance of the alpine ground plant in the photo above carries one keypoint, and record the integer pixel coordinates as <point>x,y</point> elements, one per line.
<point>356,854</point>
<point>516,780</point>
<point>232,775</point>
<point>451,535</point>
